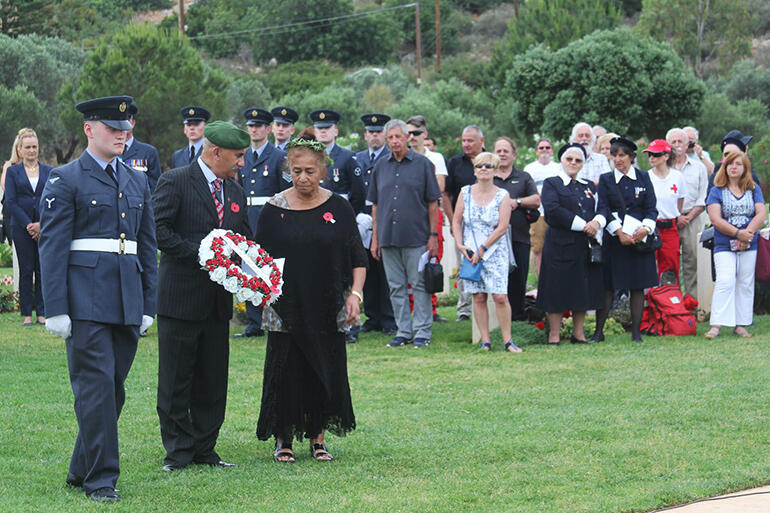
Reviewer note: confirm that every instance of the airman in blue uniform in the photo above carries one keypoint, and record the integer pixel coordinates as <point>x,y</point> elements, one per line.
<point>261,177</point>
<point>98,258</point>
<point>140,156</point>
<point>377,306</point>
<point>195,119</point>
<point>283,125</point>
<point>343,171</point>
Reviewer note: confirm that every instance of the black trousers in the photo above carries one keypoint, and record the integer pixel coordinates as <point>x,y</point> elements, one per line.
<point>99,357</point>
<point>193,359</point>
<point>377,306</point>
<point>517,280</point>
<point>30,285</point>
<point>254,315</point>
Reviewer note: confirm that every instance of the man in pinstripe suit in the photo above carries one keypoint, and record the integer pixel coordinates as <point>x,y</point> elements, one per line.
<point>193,311</point>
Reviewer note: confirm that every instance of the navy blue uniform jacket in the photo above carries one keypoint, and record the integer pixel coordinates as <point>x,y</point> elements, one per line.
<point>346,169</point>
<point>181,157</point>
<point>254,182</point>
<point>143,157</point>
<point>80,201</point>
<point>23,203</point>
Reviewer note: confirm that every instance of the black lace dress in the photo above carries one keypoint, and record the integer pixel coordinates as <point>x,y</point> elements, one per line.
<point>305,388</point>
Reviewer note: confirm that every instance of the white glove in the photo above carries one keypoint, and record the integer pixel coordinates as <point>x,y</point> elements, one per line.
<point>146,323</point>
<point>59,325</point>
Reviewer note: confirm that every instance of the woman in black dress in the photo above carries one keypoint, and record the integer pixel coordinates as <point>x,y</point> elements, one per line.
<point>568,279</point>
<point>305,390</point>
<point>627,191</point>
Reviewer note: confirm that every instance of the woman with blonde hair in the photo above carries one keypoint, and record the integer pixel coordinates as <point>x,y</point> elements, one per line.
<point>736,208</point>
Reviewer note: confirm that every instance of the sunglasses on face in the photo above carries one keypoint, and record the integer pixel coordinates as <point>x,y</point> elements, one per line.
<point>656,154</point>
<point>486,165</point>
<point>416,132</point>
<point>573,159</point>
<point>543,147</point>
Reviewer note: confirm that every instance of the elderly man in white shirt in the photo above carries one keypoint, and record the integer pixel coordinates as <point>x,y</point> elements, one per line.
<point>544,167</point>
<point>691,222</point>
<point>696,151</point>
<point>596,164</point>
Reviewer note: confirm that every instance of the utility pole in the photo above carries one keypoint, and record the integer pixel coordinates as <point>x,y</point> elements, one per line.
<point>418,49</point>
<point>181,17</point>
<point>438,36</point>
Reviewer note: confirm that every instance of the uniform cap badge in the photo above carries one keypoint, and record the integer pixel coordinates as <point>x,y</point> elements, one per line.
<point>254,113</point>
<point>283,112</point>
<point>191,112</point>
<point>374,119</point>
<point>122,107</point>
<point>322,116</point>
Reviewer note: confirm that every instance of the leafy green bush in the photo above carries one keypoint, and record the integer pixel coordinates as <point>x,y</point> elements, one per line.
<point>719,115</point>
<point>9,301</point>
<point>759,153</point>
<point>611,327</point>
<point>6,255</point>
<point>298,77</point>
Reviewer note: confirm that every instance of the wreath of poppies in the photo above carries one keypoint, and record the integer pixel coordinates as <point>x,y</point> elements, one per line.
<point>262,287</point>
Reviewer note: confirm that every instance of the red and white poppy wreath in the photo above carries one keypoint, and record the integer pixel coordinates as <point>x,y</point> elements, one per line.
<point>258,279</point>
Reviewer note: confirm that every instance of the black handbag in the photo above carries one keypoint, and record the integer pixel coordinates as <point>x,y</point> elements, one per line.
<point>433,274</point>
<point>532,215</point>
<point>594,252</point>
<point>653,242</point>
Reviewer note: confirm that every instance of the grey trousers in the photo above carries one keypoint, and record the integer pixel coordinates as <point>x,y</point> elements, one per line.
<point>464,300</point>
<point>688,239</point>
<point>400,270</point>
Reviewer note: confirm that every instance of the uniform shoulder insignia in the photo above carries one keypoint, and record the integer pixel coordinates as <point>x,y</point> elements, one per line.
<point>357,171</point>
<point>54,179</point>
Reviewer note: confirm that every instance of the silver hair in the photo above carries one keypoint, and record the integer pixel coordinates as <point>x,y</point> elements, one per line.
<point>675,130</point>
<point>575,129</point>
<point>396,123</point>
<point>476,128</point>
<point>693,129</point>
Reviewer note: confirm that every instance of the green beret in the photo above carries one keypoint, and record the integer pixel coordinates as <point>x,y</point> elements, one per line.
<point>226,135</point>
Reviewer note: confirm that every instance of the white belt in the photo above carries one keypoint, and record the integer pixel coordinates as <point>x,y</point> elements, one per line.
<point>120,246</point>
<point>254,201</point>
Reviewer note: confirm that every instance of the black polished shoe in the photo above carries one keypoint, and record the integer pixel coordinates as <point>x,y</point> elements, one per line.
<point>597,337</point>
<point>438,318</point>
<point>172,467</point>
<point>462,318</point>
<point>351,338</point>
<point>74,481</point>
<point>574,340</point>
<point>250,333</point>
<point>104,495</point>
<point>221,464</point>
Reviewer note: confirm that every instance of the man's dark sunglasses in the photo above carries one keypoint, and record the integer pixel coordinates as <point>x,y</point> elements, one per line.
<point>416,132</point>
<point>543,147</point>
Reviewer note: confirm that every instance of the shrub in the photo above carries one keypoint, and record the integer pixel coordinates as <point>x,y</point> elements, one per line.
<point>9,301</point>
<point>6,255</point>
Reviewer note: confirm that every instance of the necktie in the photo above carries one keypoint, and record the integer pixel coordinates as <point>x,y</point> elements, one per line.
<point>218,204</point>
<point>372,159</point>
<point>256,156</point>
<point>192,154</point>
<point>111,172</point>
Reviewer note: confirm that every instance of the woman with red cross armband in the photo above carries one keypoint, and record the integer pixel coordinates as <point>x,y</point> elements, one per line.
<point>669,193</point>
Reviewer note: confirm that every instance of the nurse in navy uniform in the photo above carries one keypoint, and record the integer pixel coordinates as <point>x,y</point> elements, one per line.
<point>626,191</point>
<point>379,311</point>
<point>261,178</point>
<point>344,172</point>
<point>141,156</point>
<point>99,265</point>
<point>195,119</point>
<point>569,281</point>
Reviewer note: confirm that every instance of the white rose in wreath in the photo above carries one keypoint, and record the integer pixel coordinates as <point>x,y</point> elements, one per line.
<point>231,284</point>
<point>244,294</point>
<point>218,274</point>
<point>253,252</point>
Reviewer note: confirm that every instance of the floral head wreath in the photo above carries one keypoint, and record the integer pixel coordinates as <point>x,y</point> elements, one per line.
<point>310,144</point>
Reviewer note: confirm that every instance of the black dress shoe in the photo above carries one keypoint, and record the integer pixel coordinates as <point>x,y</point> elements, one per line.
<point>597,337</point>
<point>104,495</point>
<point>172,467</point>
<point>250,333</point>
<point>438,318</point>
<point>351,338</point>
<point>574,340</point>
<point>222,464</point>
<point>74,481</point>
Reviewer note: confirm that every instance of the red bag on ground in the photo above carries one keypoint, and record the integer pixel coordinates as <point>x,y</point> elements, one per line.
<point>666,313</point>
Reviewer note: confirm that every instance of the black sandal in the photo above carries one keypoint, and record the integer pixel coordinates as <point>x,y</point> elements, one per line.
<point>319,452</point>
<point>283,450</point>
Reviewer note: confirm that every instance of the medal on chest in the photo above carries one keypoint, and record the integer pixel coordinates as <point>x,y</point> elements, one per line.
<point>265,173</point>
<point>138,165</point>
<point>336,174</point>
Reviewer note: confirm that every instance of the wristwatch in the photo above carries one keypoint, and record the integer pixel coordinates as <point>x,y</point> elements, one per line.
<point>518,202</point>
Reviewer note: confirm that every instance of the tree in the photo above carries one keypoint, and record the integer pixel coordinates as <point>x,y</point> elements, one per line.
<point>700,30</point>
<point>744,81</point>
<point>162,72</point>
<point>630,84</point>
<point>719,115</point>
<point>32,69</point>
<point>244,92</point>
<point>18,109</point>
<point>553,24</point>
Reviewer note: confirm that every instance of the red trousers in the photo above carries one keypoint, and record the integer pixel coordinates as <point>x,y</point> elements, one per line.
<point>668,255</point>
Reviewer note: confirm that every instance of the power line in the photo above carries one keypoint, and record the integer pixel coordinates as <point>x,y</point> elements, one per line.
<point>304,24</point>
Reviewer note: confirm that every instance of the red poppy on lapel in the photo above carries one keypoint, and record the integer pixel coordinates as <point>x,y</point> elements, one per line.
<point>234,207</point>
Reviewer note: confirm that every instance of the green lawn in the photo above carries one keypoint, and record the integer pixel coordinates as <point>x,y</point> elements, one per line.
<point>615,427</point>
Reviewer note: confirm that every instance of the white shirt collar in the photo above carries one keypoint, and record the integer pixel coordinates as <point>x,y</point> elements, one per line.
<point>377,152</point>
<point>631,174</point>
<point>260,149</point>
<point>566,178</point>
<point>102,163</point>
<point>208,173</point>
<point>198,145</point>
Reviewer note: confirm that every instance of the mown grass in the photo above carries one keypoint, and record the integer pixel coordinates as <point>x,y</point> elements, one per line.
<point>606,428</point>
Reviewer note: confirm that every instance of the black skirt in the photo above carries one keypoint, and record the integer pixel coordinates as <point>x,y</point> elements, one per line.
<point>567,280</point>
<point>625,268</point>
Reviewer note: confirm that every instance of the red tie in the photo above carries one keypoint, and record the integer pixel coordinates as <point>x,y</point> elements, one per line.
<point>218,204</point>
